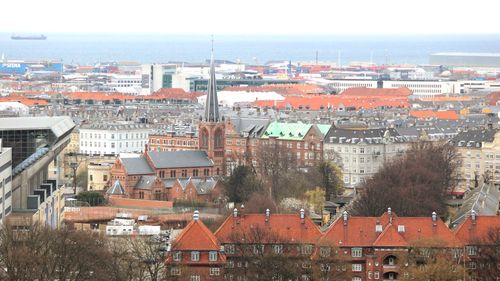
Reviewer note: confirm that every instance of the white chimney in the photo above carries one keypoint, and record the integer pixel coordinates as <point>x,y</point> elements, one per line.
<point>268,214</point>
<point>434,216</point>
<point>235,213</point>
<point>344,216</point>
<point>473,216</point>
<point>196,215</point>
<point>302,215</point>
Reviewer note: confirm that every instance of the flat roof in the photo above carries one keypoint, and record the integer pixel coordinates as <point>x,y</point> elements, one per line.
<point>464,54</point>
<point>59,124</point>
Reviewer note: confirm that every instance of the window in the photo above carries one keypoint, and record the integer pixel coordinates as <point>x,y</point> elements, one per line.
<point>212,256</point>
<point>258,249</point>
<point>195,278</point>
<point>195,172</point>
<point>278,249</point>
<point>104,177</point>
<point>195,256</point>
<point>141,194</point>
<point>214,271</point>
<point>471,250</point>
<point>356,252</point>
<point>172,174</point>
<point>357,267</point>
<point>229,249</point>
<point>112,145</point>
<point>324,252</point>
<point>184,173</point>
<point>175,271</point>
<point>177,256</point>
<point>356,279</point>
<point>91,177</point>
<point>376,275</point>
<point>306,249</point>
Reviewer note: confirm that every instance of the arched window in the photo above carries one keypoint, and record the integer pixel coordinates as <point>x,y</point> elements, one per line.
<point>204,138</point>
<point>218,139</point>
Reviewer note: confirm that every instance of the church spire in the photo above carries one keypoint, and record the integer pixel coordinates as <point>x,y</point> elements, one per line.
<point>212,104</point>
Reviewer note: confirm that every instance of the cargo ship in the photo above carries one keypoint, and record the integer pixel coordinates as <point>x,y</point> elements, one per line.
<point>28,37</point>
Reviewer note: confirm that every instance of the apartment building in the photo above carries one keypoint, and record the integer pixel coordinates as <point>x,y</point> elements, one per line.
<point>361,153</point>
<point>115,138</point>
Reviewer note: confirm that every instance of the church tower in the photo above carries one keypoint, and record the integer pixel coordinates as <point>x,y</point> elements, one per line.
<point>211,130</point>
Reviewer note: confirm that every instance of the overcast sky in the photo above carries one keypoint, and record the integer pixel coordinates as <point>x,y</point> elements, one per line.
<point>252,16</point>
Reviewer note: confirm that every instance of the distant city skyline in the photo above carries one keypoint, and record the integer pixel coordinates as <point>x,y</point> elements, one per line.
<point>257,17</point>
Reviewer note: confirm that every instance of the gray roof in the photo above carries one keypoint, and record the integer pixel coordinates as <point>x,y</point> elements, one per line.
<point>368,136</point>
<point>204,185</point>
<point>180,159</point>
<point>116,189</point>
<point>115,126</point>
<point>484,201</point>
<point>136,166</point>
<point>169,183</point>
<point>146,182</point>
<point>59,125</point>
<point>253,127</point>
<point>474,138</point>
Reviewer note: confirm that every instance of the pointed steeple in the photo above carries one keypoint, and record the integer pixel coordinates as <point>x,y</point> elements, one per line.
<point>212,104</point>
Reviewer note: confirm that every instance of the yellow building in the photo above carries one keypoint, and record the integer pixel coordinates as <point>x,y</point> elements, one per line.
<point>99,175</point>
<point>480,155</point>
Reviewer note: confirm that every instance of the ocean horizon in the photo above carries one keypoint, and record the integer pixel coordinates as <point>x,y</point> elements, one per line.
<point>91,48</point>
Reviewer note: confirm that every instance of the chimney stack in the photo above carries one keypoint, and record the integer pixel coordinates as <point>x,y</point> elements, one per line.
<point>389,212</point>
<point>302,216</point>
<point>235,213</point>
<point>344,216</point>
<point>473,216</point>
<point>268,214</point>
<point>242,210</point>
<point>196,215</point>
<point>434,218</point>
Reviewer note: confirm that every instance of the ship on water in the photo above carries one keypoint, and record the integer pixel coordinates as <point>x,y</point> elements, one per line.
<point>28,37</point>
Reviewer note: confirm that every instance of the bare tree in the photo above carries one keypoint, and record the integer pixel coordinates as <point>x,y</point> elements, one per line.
<point>414,185</point>
<point>150,257</point>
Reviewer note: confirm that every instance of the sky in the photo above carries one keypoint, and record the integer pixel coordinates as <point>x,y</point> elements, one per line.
<point>286,17</point>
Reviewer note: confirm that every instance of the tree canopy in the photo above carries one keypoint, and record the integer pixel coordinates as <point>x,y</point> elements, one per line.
<point>413,185</point>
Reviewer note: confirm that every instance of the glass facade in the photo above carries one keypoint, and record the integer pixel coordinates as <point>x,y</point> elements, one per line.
<point>201,85</point>
<point>25,142</point>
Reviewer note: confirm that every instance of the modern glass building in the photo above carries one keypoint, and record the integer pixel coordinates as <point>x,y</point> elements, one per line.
<point>27,135</point>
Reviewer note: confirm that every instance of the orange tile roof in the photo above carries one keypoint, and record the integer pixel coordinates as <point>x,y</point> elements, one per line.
<point>196,236</point>
<point>391,92</point>
<point>390,237</point>
<point>286,227</point>
<point>475,233</point>
<point>360,231</point>
<point>444,115</point>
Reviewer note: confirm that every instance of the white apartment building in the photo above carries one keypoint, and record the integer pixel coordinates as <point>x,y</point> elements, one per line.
<point>5,182</point>
<point>426,88</point>
<point>361,153</point>
<point>125,83</point>
<point>113,139</point>
<point>342,85</point>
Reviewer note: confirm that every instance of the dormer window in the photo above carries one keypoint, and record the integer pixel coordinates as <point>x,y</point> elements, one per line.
<point>212,256</point>
<point>195,256</point>
<point>177,256</point>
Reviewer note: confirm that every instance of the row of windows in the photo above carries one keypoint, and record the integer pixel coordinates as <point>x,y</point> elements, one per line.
<point>112,136</point>
<point>173,142</point>
<point>184,173</point>
<point>195,256</point>
<point>98,144</point>
<point>305,249</point>
<point>213,271</point>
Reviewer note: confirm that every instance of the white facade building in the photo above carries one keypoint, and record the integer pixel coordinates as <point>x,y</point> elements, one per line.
<point>361,153</point>
<point>342,85</point>
<point>125,83</point>
<point>113,139</point>
<point>427,88</point>
<point>5,182</point>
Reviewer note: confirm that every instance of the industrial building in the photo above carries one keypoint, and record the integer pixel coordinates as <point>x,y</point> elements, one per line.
<point>466,59</point>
